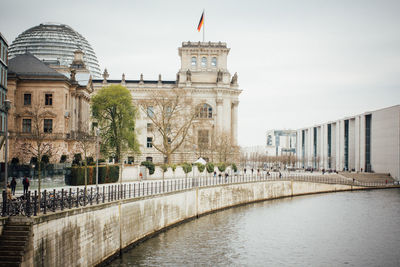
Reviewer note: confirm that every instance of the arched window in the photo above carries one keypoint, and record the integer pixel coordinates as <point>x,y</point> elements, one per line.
<point>214,62</point>
<point>204,111</point>
<point>194,61</point>
<point>204,62</point>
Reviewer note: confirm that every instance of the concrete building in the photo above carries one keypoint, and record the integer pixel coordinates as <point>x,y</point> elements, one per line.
<point>47,105</point>
<point>3,90</point>
<point>367,142</point>
<point>213,90</point>
<point>281,142</point>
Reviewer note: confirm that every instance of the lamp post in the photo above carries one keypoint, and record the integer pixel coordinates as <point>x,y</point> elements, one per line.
<point>97,156</point>
<point>7,106</point>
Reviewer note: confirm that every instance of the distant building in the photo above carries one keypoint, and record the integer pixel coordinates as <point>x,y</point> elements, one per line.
<point>214,91</point>
<point>281,142</point>
<point>367,142</point>
<point>62,102</point>
<point>3,89</point>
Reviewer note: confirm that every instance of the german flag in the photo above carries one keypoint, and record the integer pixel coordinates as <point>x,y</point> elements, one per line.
<point>201,22</point>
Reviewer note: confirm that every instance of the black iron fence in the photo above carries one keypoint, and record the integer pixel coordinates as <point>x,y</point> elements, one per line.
<point>59,200</point>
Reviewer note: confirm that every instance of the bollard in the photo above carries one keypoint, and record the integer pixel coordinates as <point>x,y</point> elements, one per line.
<point>62,199</point>
<point>54,201</point>
<point>97,195</point>
<point>35,204</point>
<point>44,201</point>
<point>70,199</point>
<point>104,193</point>
<point>77,197</point>
<point>28,209</point>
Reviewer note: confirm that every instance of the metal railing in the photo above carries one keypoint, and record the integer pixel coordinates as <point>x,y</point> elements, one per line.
<point>59,200</point>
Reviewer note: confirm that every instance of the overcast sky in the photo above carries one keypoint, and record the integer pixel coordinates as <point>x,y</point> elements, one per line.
<point>299,63</point>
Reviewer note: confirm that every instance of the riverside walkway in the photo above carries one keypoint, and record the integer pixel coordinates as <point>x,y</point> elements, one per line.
<point>69,197</point>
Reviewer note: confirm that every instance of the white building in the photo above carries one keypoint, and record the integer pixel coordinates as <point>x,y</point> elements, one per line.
<point>281,142</point>
<point>366,142</point>
<point>205,76</point>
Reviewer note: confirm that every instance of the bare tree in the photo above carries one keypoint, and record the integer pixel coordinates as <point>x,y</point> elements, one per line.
<point>85,144</point>
<point>171,113</point>
<point>224,148</point>
<point>39,139</point>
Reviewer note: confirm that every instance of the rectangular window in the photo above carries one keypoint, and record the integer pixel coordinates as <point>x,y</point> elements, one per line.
<point>48,100</point>
<point>149,142</point>
<point>26,125</point>
<point>368,143</point>
<point>149,127</point>
<point>150,112</point>
<point>346,145</point>
<point>27,99</point>
<point>48,126</point>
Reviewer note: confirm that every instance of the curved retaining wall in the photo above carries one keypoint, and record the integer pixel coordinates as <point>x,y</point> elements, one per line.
<point>88,236</point>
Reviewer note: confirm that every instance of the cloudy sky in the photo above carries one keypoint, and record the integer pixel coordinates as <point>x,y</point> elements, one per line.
<point>300,62</point>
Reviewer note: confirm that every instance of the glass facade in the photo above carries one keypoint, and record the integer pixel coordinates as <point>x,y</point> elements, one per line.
<point>329,146</point>
<point>368,143</point>
<point>315,146</point>
<point>55,43</point>
<point>346,144</point>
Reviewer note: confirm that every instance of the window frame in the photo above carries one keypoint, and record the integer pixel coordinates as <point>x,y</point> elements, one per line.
<point>46,129</point>
<point>204,62</point>
<point>193,61</point>
<point>30,99</point>
<point>214,62</point>
<point>149,142</point>
<point>48,99</point>
<point>26,126</point>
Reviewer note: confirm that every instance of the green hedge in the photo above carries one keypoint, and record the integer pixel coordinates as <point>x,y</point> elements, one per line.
<point>76,175</point>
<point>210,167</point>
<point>149,165</point>
<point>186,167</point>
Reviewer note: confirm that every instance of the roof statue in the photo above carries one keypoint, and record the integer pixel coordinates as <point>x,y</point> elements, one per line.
<point>188,76</point>
<point>105,75</point>
<point>234,79</point>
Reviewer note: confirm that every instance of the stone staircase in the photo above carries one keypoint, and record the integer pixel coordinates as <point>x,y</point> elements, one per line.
<point>13,242</point>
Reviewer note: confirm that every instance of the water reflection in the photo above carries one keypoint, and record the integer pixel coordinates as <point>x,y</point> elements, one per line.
<point>350,228</point>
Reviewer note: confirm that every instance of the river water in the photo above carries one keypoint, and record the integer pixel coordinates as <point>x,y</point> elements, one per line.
<point>360,228</point>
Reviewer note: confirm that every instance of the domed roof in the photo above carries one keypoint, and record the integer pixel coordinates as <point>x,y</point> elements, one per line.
<point>52,42</point>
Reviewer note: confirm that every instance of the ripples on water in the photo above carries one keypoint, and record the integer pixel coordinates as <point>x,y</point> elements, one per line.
<point>339,229</point>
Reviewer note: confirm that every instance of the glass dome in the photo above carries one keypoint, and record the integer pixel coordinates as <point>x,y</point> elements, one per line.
<point>55,43</point>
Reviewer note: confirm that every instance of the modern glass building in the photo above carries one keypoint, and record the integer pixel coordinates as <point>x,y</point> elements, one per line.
<point>55,44</point>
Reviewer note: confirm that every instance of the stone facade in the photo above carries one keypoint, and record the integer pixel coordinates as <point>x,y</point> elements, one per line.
<point>62,103</point>
<point>205,77</point>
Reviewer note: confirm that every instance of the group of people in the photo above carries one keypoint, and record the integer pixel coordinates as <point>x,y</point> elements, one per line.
<point>13,184</point>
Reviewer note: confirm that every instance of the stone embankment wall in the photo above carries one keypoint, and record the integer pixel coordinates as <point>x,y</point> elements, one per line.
<point>88,236</point>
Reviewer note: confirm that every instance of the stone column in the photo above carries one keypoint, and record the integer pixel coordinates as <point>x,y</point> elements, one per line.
<point>234,120</point>
<point>220,116</point>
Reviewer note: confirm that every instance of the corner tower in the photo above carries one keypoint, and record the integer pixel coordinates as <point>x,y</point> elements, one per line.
<point>203,62</point>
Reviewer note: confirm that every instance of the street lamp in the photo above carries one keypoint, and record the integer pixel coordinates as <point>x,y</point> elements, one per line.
<point>97,156</point>
<point>7,106</point>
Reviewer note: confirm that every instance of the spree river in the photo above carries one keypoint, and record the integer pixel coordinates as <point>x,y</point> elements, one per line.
<point>360,228</point>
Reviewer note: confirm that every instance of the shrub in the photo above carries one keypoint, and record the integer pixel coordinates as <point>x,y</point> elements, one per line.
<point>33,160</point>
<point>45,159</point>
<point>200,167</point>
<point>210,167</point>
<point>186,167</point>
<point>164,167</point>
<point>234,168</point>
<point>173,167</point>
<point>14,161</point>
<point>221,167</point>
<point>63,158</point>
<point>77,159</point>
<point>76,175</point>
<point>90,161</point>
<point>149,165</point>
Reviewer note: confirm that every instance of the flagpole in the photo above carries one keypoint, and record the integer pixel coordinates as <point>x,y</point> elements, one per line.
<point>204,23</point>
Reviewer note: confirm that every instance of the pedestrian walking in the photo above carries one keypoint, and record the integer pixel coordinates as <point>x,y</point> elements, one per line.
<point>215,174</point>
<point>25,183</point>
<point>13,185</point>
